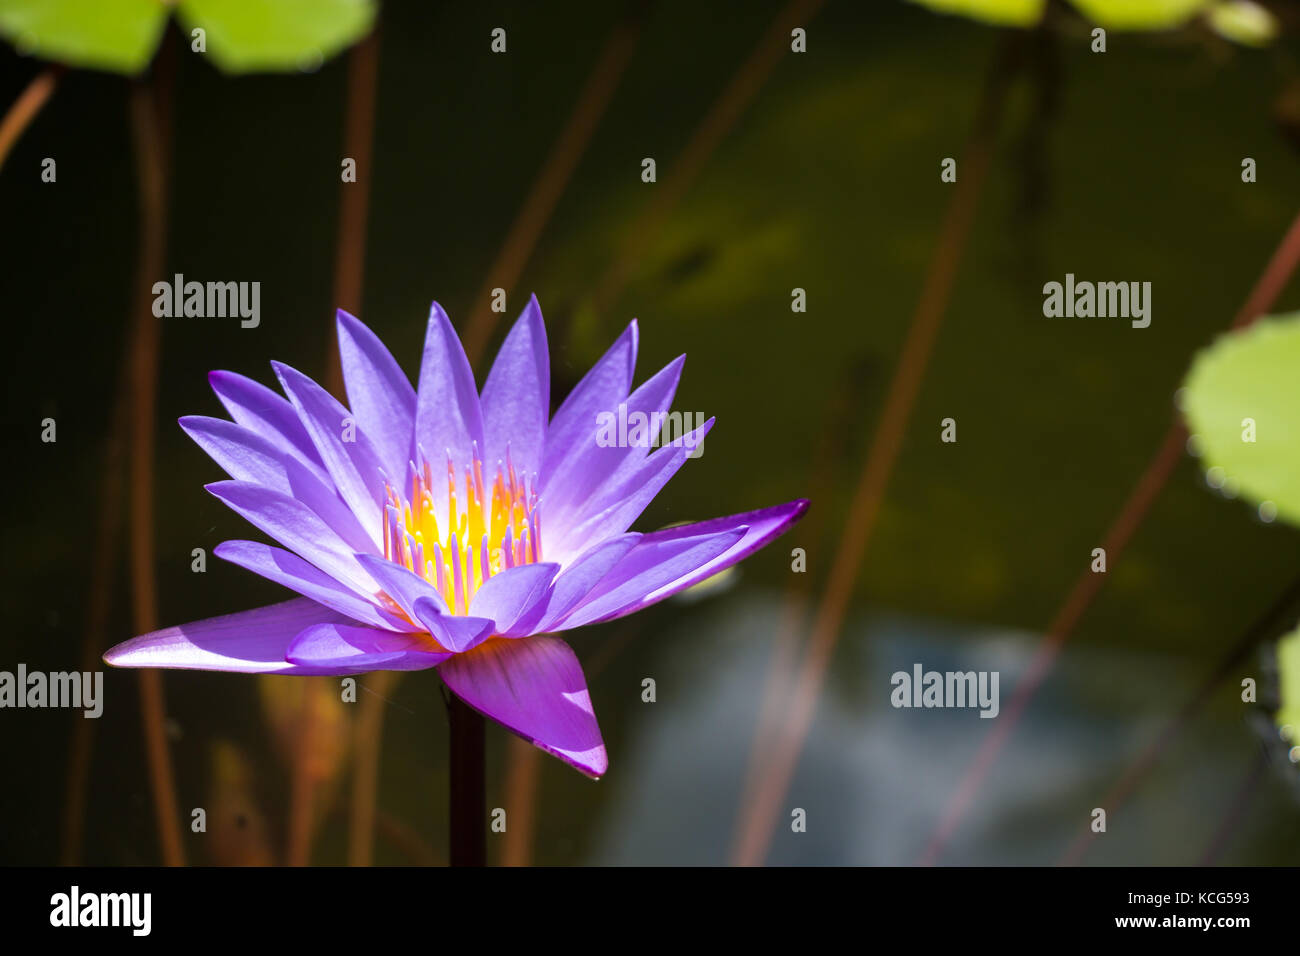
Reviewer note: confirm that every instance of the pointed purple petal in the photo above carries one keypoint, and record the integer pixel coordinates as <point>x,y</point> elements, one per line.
<point>622,501</point>
<point>343,648</point>
<point>284,567</point>
<point>379,394</point>
<point>456,632</point>
<point>757,528</point>
<point>535,688</point>
<point>343,446</point>
<point>567,498</point>
<point>261,410</point>
<point>509,594</point>
<point>247,456</point>
<point>516,397</point>
<point>645,569</point>
<point>399,583</point>
<point>250,642</point>
<point>298,528</point>
<point>573,584</point>
<point>447,413</point>
<point>573,427</point>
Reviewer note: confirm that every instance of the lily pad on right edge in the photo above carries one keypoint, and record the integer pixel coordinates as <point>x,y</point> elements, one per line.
<point>1242,404</point>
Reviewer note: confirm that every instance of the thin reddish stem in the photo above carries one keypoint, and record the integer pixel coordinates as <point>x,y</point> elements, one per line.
<point>757,828</point>
<point>26,107</point>
<point>150,129</point>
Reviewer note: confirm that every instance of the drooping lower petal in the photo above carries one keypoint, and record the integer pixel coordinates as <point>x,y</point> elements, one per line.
<point>250,642</point>
<point>536,689</point>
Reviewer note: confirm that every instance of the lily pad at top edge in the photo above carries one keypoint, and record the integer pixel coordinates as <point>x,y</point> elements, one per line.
<point>1140,14</point>
<point>1244,22</point>
<point>115,35</point>
<point>1007,13</point>
<point>246,36</point>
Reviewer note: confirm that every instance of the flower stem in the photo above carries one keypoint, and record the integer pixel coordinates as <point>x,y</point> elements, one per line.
<point>468,833</point>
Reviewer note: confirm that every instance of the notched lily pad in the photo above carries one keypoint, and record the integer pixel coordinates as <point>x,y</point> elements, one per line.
<point>240,36</point>
<point>115,35</point>
<point>245,36</point>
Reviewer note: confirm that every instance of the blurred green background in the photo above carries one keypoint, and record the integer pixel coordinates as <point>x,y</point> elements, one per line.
<point>1121,166</point>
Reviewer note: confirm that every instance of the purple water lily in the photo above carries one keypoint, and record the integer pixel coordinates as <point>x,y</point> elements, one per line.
<point>400,569</point>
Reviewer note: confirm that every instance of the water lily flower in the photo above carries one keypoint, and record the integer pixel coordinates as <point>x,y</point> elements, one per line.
<point>443,527</point>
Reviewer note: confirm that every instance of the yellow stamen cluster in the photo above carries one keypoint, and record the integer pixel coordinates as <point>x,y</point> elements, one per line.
<point>485,529</point>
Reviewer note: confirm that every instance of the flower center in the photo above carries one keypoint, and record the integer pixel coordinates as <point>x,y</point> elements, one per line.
<point>486,529</point>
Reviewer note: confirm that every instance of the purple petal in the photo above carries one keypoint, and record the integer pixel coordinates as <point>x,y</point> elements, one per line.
<point>456,632</point>
<point>572,428</point>
<point>343,648</point>
<point>535,688</point>
<point>284,567</point>
<point>423,604</point>
<point>447,413</point>
<point>573,584</point>
<point>622,501</point>
<point>379,394</point>
<point>298,528</point>
<point>565,500</point>
<point>250,642</point>
<point>509,594</point>
<point>352,463</point>
<point>401,584</point>
<point>647,568</point>
<point>261,410</point>
<point>516,397</point>
<point>247,456</point>
<point>757,529</point>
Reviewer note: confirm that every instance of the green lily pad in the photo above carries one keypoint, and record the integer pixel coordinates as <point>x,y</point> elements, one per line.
<point>245,36</point>
<point>1140,14</point>
<point>1007,13</point>
<point>115,35</point>
<point>1244,22</point>
<point>1288,681</point>
<point>1247,386</point>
